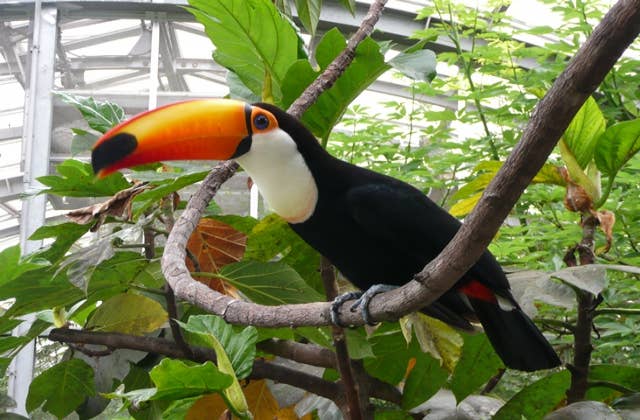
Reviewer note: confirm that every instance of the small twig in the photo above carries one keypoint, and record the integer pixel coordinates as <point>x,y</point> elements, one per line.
<point>172,310</point>
<point>612,385</point>
<point>339,64</point>
<point>91,353</point>
<point>353,399</point>
<point>587,304</point>
<point>568,326</point>
<point>493,382</point>
<point>617,311</point>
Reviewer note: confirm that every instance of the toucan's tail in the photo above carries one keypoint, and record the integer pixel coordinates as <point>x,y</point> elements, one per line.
<point>515,337</point>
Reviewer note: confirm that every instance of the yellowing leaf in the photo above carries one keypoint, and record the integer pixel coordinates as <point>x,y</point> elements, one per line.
<point>435,337</point>
<point>129,314</point>
<point>262,405</point>
<point>464,206</point>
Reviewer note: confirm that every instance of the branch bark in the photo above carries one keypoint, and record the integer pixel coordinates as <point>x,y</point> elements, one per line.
<point>262,369</point>
<point>583,74</point>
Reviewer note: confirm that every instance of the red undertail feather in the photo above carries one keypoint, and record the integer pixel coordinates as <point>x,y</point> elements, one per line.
<point>475,289</point>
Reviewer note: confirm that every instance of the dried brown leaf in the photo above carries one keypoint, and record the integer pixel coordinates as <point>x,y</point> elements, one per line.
<point>213,245</point>
<point>116,206</point>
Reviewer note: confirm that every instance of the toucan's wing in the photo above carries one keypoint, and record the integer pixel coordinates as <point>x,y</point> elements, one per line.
<point>406,219</point>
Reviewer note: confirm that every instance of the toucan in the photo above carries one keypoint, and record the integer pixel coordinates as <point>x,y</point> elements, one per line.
<point>375,229</point>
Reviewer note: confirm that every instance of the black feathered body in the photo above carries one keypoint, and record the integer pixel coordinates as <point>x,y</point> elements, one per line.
<point>378,230</point>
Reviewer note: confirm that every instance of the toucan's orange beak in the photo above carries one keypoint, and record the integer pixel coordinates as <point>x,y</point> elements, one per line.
<point>208,129</point>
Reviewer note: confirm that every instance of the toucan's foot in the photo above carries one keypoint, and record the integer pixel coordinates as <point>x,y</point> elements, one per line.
<point>362,303</point>
<point>337,303</point>
<point>365,298</point>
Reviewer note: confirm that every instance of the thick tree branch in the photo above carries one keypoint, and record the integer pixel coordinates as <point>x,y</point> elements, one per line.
<point>262,369</point>
<point>583,74</point>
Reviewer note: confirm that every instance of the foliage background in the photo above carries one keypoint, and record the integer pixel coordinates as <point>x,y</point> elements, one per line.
<point>437,150</point>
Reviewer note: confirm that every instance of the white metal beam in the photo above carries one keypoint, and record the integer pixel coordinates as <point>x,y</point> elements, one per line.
<point>36,142</point>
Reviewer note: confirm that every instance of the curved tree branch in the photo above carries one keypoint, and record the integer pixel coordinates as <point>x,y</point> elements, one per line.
<point>583,74</point>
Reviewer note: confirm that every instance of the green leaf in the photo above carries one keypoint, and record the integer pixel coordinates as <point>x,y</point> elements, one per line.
<point>4,365</point>
<point>76,179</point>
<point>350,5</point>
<point>535,400</point>
<point>309,14</point>
<point>323,115</point>
<point>128,313</point>
<point>425,379</point>
<point>11,343</point>
<point>273,238</point>
<point>100,115</point>
<point>82,141</point>
<point>418,65</point>
<point>392,354</point>
<point>240,347</point>
<point>40,289</point>
<point>62,388</point>
<point>175,379</point>
<point>434,337</point>
<point>616,146</point>
<point>252,39</point>
<point>12,267</point>
<point>584,130</point>
<point>269,283</point>
<point>118,273</point>
<point>147,198</point>
<point>234,352</point>
<point>65,234</point>
<point>478,363</point>
<point>626,376</point>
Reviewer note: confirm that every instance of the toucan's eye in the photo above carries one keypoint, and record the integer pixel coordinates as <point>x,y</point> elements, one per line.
<point>261,121</point>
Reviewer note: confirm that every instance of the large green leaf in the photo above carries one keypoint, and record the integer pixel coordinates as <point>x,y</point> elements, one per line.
<point>12,266</point>
<point>37,290</point>
<point>65,234</point>
<point>118,273</point>
<point>77,179</point>
<point>100,116</point>
<point>252,39</point>
<point>128,313</point>
<point>240,347</point>
<point>536,400</point>
<point>234,352</point>
<point>424,380</point>
<point>273,238</point>
<point>616,146</point>
<point>583,132</point>
<point>625,376</point>
<point>175,379</point>
<point>476,366</point>
<point>393,356</point>
<point>419,65</point>
<point>323,115</point>
<point>147,198</point>
<point>309,14</point>
<point>269,283</point>
<point>62,388</point>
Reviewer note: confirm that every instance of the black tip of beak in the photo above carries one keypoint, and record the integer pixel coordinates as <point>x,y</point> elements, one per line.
<point>112,150</point>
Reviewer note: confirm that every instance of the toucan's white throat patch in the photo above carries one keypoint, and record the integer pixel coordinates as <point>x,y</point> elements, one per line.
<point>281,174</point>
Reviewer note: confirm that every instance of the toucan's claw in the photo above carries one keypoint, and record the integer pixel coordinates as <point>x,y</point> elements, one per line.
<point>337,303</point>
<point>362,303</point>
